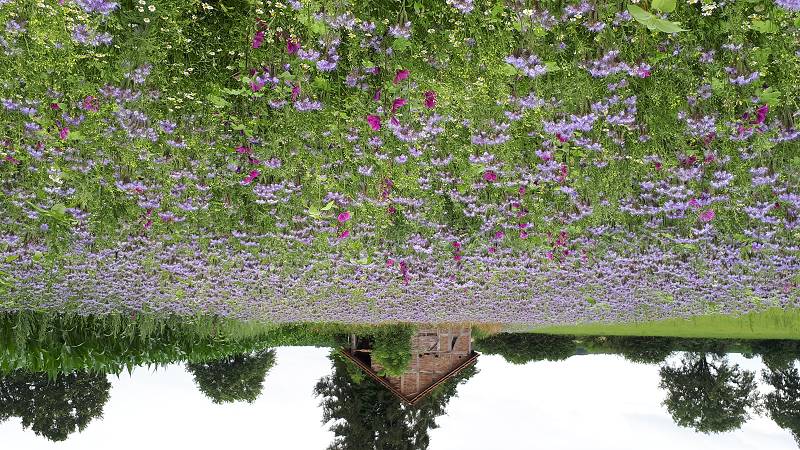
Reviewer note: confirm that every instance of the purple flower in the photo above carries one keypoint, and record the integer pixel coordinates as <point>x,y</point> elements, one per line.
<point>258,39</point>
<point>400,76</point>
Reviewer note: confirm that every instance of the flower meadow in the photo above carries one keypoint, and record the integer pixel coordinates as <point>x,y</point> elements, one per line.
<point>436,161</point>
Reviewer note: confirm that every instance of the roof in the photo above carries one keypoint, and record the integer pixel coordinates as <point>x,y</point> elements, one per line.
<point>409,400</point>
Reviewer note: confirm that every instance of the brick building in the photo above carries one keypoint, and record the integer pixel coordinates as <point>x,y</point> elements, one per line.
<point>437,354</point>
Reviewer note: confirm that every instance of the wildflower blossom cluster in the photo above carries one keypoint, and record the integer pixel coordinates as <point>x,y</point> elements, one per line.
<point>284,161</point>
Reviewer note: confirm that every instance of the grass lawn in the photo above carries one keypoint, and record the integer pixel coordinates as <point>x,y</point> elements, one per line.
<point>770,324</point>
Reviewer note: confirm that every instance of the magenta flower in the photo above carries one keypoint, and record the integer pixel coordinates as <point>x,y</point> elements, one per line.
<point>707,215</point>
<point>430,99</point>
<point>90,104</point>
<point>523,234</point>
<point>761,114</point>
<point>256,85</point>
<point>252,176</point>
<point>374,122</point>
<point>389,262</point>
<point>457,244</point>
<point>345,233</point>
<point>242,150</point>
<point>295,91</point>
<point>457,257</point>
<point>64,133</point>
<point>377,96</point>
<point>292,47</point>
<point>499,235</point>
<point>343,217</point>
<point>258,39</point>
<point>397,104</point>
<point>401,75</point>
<point>490,176</point>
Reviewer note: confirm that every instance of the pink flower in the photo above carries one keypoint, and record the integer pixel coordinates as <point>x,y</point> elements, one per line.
<point>295,91</point>
<point>707,215</point>
<point>457,257</point>
<point>343,217</point>
<point>456,244</point>
<point>242,150</point>
<point>292,47</point>
<point>397,104</point>
<point>389,262</point>
<point>549,255</point>
<point>54,106</point>
<point>377,96</point>
<point>523,234</point>
<point>430,99</point>
<point>499,235</point>
<point>64,133</point>
<point>90,104</point>
<point>252,176</point>
<point>345,233</point>
<point>490,176</point>
<point>694,203</point>
<point>492,250</point>
<point>761,114</point>
<point>374,122</point>
<point>394,121</point>
<point>256,85</point>
<point>148,224</point>
<point>400,76</point>
<point>258,39</point>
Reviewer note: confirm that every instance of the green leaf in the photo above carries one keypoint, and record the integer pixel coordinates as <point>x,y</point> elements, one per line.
<point>11,258</point>
<point>663,5</point>
<point>652,22</point>
<point>666,26</point>
<point>218,102</point>
<point>58,209</point>
<point>75,136</point>
<point>770,96</point>
<point>768,26</point>
<point>639,14</point>
<point>318,27</point>
<point>508,70</point>
<point>329,206</point>
<point>552,66</point>
<point>400,44</point>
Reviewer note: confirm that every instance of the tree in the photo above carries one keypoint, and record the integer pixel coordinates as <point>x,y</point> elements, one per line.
<point>777,354</point>
<point>233,378</point>
<point>711,397</point>
<point>53,408</point>
<point>392,348</point>
<point>520,348</point>
<point>642,349</point>
<point>367,416</point>
<point>783,404</point>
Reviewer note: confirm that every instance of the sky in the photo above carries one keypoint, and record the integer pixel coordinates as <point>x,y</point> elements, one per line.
<point>587,402</point>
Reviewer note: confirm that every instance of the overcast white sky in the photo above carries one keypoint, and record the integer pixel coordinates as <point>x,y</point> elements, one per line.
<point>586,402</point>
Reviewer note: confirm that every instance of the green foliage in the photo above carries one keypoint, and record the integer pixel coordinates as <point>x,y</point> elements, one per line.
<point>642,349</point>
<point>777,355</point>
<point>233,378</point>
<point>783,403</point>
<point>365,415</point>
<point>53,407</point>
<point>521,348</point>
<point>392,348</point>
<point>710,397</point>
